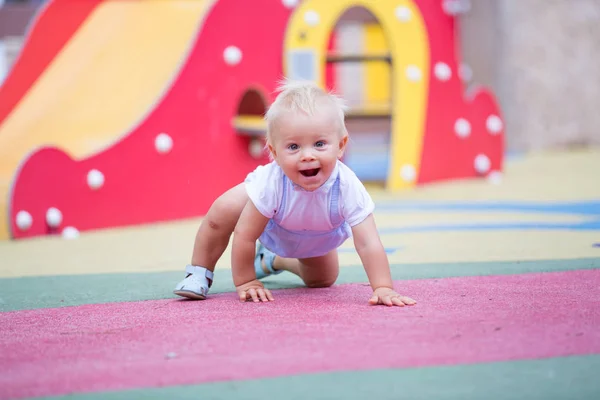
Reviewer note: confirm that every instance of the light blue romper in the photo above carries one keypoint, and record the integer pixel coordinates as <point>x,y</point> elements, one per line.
<point>305,243</point>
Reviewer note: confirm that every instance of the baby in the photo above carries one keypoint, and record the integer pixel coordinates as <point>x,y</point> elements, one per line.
<point>300,207</point>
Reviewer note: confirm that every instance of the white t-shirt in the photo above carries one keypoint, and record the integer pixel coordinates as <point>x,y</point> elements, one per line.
<point>306,210</point>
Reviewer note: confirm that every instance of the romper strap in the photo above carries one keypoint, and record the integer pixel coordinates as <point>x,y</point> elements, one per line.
<point>283,196</point>
<point>335,214</point>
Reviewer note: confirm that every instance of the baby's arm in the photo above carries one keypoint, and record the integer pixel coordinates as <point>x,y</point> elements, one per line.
<point>248,229</point>
<point>376,264</point>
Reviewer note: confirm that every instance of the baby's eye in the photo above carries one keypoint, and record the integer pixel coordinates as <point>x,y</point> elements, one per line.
<point>293,146</point>
<point>320,143</point>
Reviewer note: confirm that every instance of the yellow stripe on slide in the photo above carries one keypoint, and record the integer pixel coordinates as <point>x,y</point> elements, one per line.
<point>106,79</point>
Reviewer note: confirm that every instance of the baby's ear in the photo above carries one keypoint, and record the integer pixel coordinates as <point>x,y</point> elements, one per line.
<point>343,142</point>
<point>271,150</point>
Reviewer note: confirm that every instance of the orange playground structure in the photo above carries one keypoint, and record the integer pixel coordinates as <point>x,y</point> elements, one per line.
<point>127,112</point>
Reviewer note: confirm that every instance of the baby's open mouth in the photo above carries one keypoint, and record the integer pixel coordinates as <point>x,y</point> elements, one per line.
<point>310,172</point>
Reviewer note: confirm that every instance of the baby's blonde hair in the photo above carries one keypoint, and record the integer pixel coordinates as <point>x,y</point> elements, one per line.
<point>302,96</point>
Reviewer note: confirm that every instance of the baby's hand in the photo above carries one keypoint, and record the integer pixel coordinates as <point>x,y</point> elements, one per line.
<point>255,291</point>
<point>389,297</point>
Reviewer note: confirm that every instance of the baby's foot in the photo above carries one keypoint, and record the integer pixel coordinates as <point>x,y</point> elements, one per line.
<point>263,263</point>
<point>196,283</point>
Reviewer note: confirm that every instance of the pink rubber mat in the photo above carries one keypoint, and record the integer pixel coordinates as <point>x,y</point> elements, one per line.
<point>170,342</point>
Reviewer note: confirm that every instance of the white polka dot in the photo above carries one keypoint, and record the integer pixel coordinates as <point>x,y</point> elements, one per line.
<point>23,220</point>
<point>163,143</point>
<point>290,3</point>
<point>311,17</point>
<point>95,179</point>
<point>465,72</point>
<point>403,13</point>
<point>408,173</point>
<point>450,7</point>
<point>232,55</point>
<point>455,7</point>
<point>495,177</point>
<point>256,147</point>
<point>482,164</point>
<point>494,125</point>
<point>54,217</point>
<point>413,73</point>
<point>462,128</point>
<point>442,71</point>
<point>70,233</point>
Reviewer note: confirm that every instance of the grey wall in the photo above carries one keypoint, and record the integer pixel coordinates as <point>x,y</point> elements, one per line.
<point>542,59</point>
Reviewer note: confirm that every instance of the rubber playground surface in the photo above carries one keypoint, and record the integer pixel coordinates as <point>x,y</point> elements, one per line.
<point>506,277</point>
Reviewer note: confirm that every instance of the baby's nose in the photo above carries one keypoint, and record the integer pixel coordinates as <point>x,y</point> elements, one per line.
<point>308,154</point>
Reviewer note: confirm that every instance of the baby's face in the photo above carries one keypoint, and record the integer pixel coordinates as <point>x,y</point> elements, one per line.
<point>308,147</point>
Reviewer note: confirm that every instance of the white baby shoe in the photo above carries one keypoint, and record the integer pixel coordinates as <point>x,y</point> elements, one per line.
<point>196,284</point>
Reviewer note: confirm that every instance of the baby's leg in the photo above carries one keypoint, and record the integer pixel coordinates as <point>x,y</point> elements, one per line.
<point>316,272</point>
<point>217,226</point>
